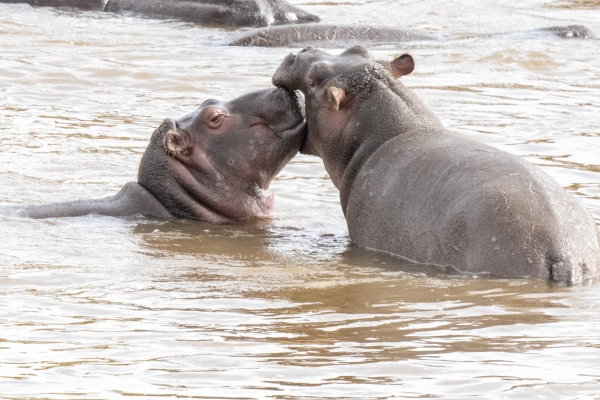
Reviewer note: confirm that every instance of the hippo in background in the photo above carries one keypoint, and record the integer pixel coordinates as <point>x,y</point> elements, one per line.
<point>234,13</point>
<point>88,5</point>
<point>331,35</point>
<point>219,12</point>
<point>411,188</point>
<point>214,164</point>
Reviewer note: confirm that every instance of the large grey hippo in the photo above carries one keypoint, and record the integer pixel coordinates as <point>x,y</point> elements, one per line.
<point>326,34</point>
<point>410,187</point>
<point>214,164</point>
<point>209,12</point>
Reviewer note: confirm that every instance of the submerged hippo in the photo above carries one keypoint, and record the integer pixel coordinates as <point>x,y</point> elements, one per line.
<point>219,12</point>
<point>209,12</point>
<point>88,5</point>
<point>214,164</point>
<point>332,34</point>
<point>410,187</point>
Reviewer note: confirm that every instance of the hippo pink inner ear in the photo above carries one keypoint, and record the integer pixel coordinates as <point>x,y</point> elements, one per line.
<point>402,65</point>
<point>335,97</point>
<point>176,143</point>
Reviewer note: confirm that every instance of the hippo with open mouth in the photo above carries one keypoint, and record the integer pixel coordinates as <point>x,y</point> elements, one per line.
<point>410,187</point>
<point>214,164</point>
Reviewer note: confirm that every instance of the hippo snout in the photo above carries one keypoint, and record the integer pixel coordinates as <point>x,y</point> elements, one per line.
<point>282,77</point>
<point>168,125</point>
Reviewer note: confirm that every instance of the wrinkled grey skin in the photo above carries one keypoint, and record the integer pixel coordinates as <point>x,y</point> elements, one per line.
<point>410,187</point>
<point>208,12</point>
<point>219,12</point>
<point>214,164</point>
<point>332,34</point>
<point>288,35</point>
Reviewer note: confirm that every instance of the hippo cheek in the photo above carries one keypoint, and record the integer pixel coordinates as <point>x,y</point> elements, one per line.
<point>325,123</point>
<point>194,165</point>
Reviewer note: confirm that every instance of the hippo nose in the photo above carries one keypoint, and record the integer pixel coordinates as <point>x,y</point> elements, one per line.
<point>168,124</point>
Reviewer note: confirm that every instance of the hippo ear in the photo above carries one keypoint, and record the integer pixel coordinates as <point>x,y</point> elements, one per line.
<point>335,97</point>
<point>402,65</point>
<point>176,143</point>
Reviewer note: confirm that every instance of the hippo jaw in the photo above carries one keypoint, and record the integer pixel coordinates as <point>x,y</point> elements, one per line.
<point>216,164</point>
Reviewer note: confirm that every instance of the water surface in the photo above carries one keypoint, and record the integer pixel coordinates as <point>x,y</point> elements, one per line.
<point>98,307</point>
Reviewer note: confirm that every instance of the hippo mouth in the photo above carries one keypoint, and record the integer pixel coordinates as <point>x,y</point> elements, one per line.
<point>296,128</point>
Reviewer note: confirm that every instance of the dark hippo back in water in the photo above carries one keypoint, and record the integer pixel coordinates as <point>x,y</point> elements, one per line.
<point>208,12</point>
<point>325,35</point>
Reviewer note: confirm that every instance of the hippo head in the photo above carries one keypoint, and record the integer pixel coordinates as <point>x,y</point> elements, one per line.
<point>335,88</point>
<point>216,163</point>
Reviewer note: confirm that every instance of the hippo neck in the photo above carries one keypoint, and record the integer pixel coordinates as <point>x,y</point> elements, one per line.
<point>384,115</point>
<point>204,202</point>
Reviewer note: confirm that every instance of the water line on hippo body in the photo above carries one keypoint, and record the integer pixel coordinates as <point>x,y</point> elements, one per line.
<point>107,307</point>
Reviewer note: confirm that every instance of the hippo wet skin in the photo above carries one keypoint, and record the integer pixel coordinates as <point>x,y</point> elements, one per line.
<point>219,12</point>
<point>332,35</point>
<point>411,188</point>
<point>214,164</point>
<point>210,12</point>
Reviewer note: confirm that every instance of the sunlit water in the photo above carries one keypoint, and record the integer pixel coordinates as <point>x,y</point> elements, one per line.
<point>99,307</point>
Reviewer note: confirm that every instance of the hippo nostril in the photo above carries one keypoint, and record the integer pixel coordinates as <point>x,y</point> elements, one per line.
<point>168,124</point>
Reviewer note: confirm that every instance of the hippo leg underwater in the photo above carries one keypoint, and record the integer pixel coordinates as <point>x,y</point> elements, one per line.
<point>214,164</point>
<point>410,187</point>
<point>209,12</point>
<point>332,35</point>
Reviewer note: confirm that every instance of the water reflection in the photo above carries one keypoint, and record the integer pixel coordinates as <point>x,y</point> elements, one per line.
<point>98,307</point>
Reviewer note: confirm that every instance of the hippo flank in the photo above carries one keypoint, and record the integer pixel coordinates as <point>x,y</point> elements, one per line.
<point>332,35</point>
<point>410,187</point>
<point>235,13</point>
<point>214,164</point>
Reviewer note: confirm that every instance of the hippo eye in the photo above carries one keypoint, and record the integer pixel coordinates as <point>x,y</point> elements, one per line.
<point>215,119</point>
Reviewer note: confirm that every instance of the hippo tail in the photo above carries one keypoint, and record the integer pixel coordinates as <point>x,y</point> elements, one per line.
<point>575,262</point>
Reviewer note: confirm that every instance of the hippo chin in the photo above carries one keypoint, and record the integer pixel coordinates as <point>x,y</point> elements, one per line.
<point>214,164</point>
<point>332,35</point>
<point>411,188</point>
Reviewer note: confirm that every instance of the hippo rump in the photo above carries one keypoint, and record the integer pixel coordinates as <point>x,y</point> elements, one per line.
<point>209,12</point>
<point>332,35</point>
<point>214,164</point>
<point>410,187</point>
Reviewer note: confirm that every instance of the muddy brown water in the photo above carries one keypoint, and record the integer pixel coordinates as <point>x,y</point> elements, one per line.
<point>97,307</point>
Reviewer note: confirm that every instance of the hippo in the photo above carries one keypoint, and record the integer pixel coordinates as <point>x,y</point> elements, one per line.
<point>88,5</point>
<point>214,164</point>
<point>332,35</point>
<point>411,188</point>
<point>234,13</point>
